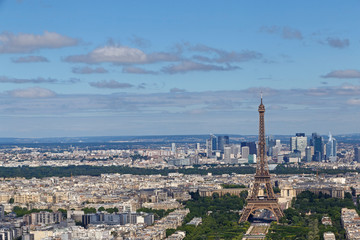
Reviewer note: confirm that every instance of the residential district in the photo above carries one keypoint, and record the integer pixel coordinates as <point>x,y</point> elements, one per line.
<point>111,206</point>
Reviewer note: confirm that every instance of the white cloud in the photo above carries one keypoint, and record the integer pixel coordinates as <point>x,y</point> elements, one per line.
<point>123,55</point>
<point>349,73</point>
<point>112,54</point>
<point>25,43</point>
<point>110,84</point>
<point>34,92</point>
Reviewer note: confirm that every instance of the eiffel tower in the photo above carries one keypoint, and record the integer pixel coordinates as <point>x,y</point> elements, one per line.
<point>262,180</point>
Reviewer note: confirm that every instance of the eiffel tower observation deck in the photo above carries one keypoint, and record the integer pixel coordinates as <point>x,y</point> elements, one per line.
<point>261,179</point>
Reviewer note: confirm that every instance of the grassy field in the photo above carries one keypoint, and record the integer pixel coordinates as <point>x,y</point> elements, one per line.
<point>259,230</point>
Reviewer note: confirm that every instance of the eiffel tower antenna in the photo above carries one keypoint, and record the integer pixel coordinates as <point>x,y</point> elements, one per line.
<point>262,177</point>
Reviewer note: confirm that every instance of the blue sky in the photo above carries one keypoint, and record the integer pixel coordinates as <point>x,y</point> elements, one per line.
<point>96,68</point>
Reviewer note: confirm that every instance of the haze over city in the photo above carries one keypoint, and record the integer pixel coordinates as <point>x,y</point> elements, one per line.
<point>80,68</point>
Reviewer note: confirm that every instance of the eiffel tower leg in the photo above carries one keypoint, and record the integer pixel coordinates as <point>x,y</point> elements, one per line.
<point>246,214</point>
<point>277,212</point>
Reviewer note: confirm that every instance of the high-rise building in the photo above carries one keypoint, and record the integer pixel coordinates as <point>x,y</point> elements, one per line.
<point>245,152</point>
<point>236,149</point>
<point>251,145</point>
<point>275,150</point>
<point>208,148</point>
<point>308,155</point>
<point>270,143</point>
<point>318,143</point>
<point>331,149</point>
<point>213,142</point>
<point>357,154</point>
<point>227,155</point>
<point>173,148</point>
<point>211,145</point>
<point>299,143</point>
<point>222,141</point>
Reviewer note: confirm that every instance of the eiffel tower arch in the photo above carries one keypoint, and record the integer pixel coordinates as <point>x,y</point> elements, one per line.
<point>262,180</point>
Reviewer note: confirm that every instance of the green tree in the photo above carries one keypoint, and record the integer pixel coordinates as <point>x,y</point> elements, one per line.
<point>101,209</point>
<point>89,210</point>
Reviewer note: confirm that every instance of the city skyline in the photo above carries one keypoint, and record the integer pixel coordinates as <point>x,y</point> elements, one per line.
<point>174,68</point>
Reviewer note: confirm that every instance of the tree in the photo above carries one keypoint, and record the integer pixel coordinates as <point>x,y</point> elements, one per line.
<point>89,210</point>
<point>11,200</point>
<point>101,209</point>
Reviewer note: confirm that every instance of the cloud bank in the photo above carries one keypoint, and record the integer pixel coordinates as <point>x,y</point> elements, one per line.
<point>184,57</point>
<point>349,73</point>
<point>27,43</point>
<point>112,84</point>
<point>35,92</point>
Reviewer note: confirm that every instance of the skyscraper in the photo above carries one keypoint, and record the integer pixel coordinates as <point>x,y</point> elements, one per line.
<point>211,145</point>
<point>308,155</point>
<point>251,145</point>
<point>222,142</point>
<point>245,152</point>
<point>299,143</point>
<point>208,148</point>
<point>318,144</point>
<point>213,142</point>
<point>236,149</point>
<point>227,155</point>
<point>173,148</point>
<point>331,148</point>
<point>270,143</point>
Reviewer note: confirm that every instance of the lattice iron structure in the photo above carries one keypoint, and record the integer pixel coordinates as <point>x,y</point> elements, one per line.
<point>262,178</point>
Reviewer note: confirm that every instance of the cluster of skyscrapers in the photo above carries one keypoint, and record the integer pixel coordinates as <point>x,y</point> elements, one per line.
<point>315,150</point>
<point>216,144</point>
<point>220,147</point>
<point>302,149</point>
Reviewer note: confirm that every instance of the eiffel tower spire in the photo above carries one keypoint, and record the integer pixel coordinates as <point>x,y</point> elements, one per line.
<point>262,177</point>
